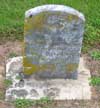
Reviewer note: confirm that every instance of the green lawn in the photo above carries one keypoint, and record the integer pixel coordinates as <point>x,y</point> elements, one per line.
<point>12,18</point>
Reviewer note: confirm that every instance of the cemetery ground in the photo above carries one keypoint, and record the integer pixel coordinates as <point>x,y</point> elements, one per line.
<point>11,37</point>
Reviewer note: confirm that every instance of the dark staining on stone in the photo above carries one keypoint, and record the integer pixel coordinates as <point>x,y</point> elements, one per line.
<point>21,75</point>
<point>31,16</point>
<point>75,27</point>
<point>52,92</point>
<point>34,93</point>
<point>19,93</point>
<point>21,83</point>
<point>13,92</point>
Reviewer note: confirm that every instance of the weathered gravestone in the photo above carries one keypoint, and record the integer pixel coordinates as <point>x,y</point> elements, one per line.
<point>53,39</point>
<point>52,45</point>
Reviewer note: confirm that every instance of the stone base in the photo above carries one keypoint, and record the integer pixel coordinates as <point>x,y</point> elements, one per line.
<point>35,88</point>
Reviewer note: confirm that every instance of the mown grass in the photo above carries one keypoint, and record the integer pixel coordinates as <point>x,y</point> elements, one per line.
<point>12,18</point>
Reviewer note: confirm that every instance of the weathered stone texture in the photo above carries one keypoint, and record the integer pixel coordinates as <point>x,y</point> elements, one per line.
<point>53,37</point>
<point>58,89</point>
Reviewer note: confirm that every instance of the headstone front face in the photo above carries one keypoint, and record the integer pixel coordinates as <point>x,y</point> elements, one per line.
<point>53,38</point>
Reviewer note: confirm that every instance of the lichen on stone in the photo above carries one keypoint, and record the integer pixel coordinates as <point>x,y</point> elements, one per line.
<point>36,22</point>
<point>30,68</point>
<point>71,67</point>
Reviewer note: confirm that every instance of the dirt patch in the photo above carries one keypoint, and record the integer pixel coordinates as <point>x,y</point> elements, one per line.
<point>5,105</point>
<point>9,48</point>
<point>94,65</point>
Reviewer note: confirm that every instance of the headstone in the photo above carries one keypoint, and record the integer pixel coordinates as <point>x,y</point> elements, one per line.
<point>52,46</point>
<point>52,41</point>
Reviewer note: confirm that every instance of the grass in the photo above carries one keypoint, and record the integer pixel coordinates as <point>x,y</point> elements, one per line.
<point>12,18</point>
<point>12,54</point>
<point>7,83</point>
<point>95,55</point>
<point>2,96</point>
<point>95,81</point>
<point>26,103</point>
<point>23,103</point>
<point>43,101</point>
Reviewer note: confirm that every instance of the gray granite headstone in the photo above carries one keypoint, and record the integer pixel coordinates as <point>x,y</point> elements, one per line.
<point>53,37</point>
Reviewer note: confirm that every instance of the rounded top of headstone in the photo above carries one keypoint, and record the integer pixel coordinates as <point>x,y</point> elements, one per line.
<point>52,7</point>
